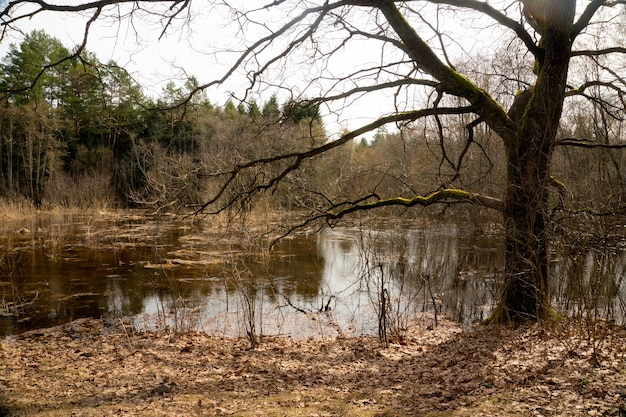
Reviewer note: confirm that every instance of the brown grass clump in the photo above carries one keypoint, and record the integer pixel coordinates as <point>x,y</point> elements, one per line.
<point>16,208</point>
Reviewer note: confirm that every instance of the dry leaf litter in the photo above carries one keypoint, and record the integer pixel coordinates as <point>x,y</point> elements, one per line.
<point>91,368</point>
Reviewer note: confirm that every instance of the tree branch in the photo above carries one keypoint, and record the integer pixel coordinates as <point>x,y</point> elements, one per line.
<point>446,195</point>
<point>581,89</point>
<point>499,17</point>
<point>451,81</point>
<point>5,15</point>
<point>376,87</point>
<point>267,40</point>
<point>586,143</point>
<point>585,18</point>
<point>298,157</point>
<point>598,52</point>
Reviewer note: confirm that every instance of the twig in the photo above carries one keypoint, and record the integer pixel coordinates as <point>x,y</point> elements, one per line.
<point>130,343</point>
<point>295,307</point>
<point>432,296</point>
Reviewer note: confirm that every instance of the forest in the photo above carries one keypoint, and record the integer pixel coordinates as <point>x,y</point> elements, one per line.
<point>83,134</point>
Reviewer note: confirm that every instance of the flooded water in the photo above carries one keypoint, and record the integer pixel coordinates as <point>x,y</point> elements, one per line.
<point>171,273</point>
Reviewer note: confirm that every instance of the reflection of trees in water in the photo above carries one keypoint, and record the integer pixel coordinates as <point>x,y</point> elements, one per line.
<point>296,269</point>
<point>474,285</point>
<point>76,278</point>
<point>101,276</point>
<point>460,266</point>
<point>590,282</point>
<point>455,267</point>
<point>464,268</point>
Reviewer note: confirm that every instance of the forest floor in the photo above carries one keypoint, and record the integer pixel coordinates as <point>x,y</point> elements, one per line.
<point>91,368</point>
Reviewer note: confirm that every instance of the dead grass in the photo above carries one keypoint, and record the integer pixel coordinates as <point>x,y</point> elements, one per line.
<point>16,208</point>
<point>87,368</point>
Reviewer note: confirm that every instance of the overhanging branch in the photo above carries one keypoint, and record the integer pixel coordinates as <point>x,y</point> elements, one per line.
<point>297,158</point>
<point>451,81</point>
<point>598,52</point>
<point>446,195</point>
<point>586,16</point>
<point>40,6</point>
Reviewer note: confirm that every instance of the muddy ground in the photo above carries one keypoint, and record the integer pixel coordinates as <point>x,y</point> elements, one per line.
<point>93,368</point>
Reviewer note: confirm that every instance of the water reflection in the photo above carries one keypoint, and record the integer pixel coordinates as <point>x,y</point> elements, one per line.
<point>592,284</point>
<point>168,272</point>
<point>435,267</point>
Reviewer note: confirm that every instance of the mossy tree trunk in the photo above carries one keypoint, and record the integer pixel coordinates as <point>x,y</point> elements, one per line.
<point>526,294</point>
<point>529,136</point>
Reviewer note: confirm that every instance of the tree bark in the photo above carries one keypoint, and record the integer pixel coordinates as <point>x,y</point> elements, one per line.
<point>526,294</point>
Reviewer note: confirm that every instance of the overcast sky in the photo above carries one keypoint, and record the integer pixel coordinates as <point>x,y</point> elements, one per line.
<point>186,48</point>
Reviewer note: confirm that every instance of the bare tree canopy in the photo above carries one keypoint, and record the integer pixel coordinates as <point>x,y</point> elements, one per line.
<point>457,69</point>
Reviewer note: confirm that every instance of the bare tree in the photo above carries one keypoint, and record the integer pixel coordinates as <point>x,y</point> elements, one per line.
<point>416,67</point>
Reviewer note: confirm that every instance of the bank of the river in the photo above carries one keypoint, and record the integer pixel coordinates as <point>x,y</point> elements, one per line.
<point>89,369</point>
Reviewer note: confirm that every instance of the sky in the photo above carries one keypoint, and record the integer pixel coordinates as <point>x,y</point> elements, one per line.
<point>134,45</point>
<point>153,60</point>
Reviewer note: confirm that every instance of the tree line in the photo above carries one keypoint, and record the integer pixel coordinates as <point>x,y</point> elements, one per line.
<point>79,132</point>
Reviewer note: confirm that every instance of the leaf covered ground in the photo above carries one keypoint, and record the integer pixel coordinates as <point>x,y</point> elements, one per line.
<point>89,368</point>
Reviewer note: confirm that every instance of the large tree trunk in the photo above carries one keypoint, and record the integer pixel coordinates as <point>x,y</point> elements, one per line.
<point>526,294</point>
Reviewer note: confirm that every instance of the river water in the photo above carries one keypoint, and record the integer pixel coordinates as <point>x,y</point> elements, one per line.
<point>176,274</point>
